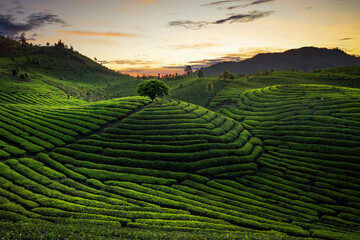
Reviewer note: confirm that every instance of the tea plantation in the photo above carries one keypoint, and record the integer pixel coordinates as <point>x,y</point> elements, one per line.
<point>311,154</point>
<point>283,164</point>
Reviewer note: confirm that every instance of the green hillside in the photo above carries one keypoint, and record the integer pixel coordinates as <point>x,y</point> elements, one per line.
<point>266,156</point>
<point>174,166</point>
<point>193,89</point>
<point>58,70</point>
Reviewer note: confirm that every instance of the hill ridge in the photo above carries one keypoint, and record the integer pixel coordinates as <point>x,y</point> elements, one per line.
<point>304,59</point>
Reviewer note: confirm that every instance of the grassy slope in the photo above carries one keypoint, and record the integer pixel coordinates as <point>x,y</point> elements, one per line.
<point>178,167</point>
<point>193,90</point>
<point>45,187</point>
<point>59,71</point>
<point>173,166</point>
<point>312,149</point>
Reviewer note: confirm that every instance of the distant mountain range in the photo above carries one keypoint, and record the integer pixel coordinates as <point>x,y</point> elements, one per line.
<point>306,58</point>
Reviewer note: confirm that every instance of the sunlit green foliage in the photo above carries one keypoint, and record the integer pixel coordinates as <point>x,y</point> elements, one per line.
<point>153,88</point>
<point>283,162</point>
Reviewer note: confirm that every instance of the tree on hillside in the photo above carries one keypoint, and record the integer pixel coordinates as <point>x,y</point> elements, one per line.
<point>23,39</point>
<point>14,72</point>
<point>209,87</point>
<point>225,74</point>
<point>60,44</point>
<point>153,88</point>
<point>188,70</point>
<point>200,73</point>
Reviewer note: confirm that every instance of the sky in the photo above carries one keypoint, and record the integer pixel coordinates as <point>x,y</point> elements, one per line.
<point>164,36</point>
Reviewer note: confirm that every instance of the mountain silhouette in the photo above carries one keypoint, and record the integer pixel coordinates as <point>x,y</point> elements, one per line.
<point>305,59</point>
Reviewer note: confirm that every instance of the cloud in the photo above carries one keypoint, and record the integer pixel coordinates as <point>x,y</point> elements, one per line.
<point>254,3</point>
<point>208,62</point>
<point>220,2</point>
<point>85,0</point>
<point>251,16</point>
<point>310,7</point>
<point>130,62</point>
<point>346,39</point>
<point>197,64</point>
<point>149,71</point>
<point>244,17</point>
<point>10,26</point>
<point>108,42</point>
<point>239,55</point>
<point>189,24</point>
<point>103,34</point>
<point>15,4</point>
<point>148,1</point>
<point>182,67</point>
<point>261,2</point>
<point>192,46</point>
<point>136,5</point>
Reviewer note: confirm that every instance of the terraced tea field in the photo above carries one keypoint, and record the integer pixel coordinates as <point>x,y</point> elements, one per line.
<point>283,164</point>
<point>311,154</point>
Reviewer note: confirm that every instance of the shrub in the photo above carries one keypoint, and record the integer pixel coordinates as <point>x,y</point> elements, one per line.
<point>333,235</point>
<point>47,160</point>
<point>104,175</point>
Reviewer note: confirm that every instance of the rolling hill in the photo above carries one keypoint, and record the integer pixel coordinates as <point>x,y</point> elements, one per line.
<point>170,165</point>
<point>305,59</point>
<point>274,156</point>
<point>60,71</point>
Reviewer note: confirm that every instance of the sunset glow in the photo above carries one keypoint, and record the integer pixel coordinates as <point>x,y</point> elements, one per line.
<point>163,36</point>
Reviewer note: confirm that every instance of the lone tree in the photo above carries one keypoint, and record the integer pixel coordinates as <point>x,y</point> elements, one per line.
<point>200,73</point>
<point>188,70</point>
<point>226,74</point>
<point>209,87</point>
<point>153,88</point>
<point>23,39</point>
<point>60,44</point>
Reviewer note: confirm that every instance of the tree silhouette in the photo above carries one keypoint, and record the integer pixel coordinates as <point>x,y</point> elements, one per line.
<point>188,70</point>
<point>60,44</point>
<point>23,39</point>
<point>200,73</point>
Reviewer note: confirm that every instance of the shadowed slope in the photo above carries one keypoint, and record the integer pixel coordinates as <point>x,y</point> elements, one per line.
<point>312,148</point>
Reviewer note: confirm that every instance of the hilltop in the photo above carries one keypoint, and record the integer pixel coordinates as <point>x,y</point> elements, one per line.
<point>59,70</point>
<point>305,59</point>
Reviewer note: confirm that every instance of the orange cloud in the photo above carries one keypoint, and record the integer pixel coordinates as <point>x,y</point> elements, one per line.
<point>103,34</point>
<point>148,71</point>
<point>133,6</point>
<point>148,1</point>
<point>192,46</point>
<point>132,62</point>
<point>108,42</point>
